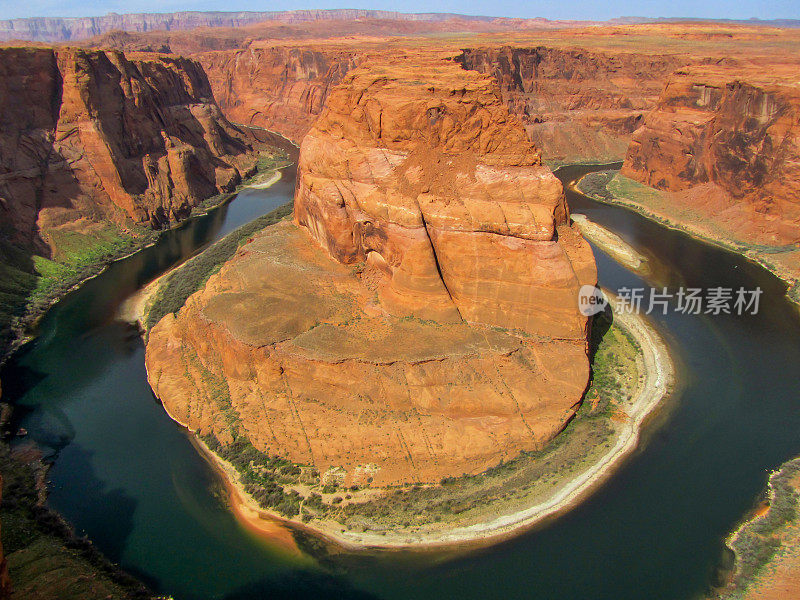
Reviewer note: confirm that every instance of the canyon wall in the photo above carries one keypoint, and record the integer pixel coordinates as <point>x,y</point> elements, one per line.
<point>59,29</point>
<point>419,319</point>
<point>281,88</point>
<point>726,141</point>
<point>91,137</point>
<point>576,103</point>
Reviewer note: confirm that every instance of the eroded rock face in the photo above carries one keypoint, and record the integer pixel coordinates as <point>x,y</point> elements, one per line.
<point>417,168</point>
<point>421,321</point>
<point>280,88</point>
<point>288,347</point>
<point>92,137</point>
<point>728,141</point>
<point>576,103</point>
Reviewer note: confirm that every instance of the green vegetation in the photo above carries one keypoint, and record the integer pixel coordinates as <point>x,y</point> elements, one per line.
<point>297,489</point>
<point>45,557</point>
<point>29,284</point>
<point>758,540</point>
<point>265,477</point>
<point>594,184</point>
<point>266,165</point>
<point>194,273</point>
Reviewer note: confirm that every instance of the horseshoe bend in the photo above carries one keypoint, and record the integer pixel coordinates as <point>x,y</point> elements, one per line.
<point>415,323</point>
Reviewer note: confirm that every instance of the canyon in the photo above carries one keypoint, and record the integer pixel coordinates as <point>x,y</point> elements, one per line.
<point>725,141</point>
<point>418,320</point>
<point>97,149</point>
<point>57,29</point>
<point>575,104</point>
<point>99,136</point>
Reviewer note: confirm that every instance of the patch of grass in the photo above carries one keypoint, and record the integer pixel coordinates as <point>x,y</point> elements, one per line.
<point>266,478</point>
<point>758,541</point>
<point>29,284</point>
<point>623,187</point>
<point>595,184</point>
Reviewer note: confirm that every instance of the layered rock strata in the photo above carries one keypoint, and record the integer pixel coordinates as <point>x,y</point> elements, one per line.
<point>576,103</point>
<point>281,88</point>
<point>435,185</point>
<point>90,137</point>
<point>419,321</point>
<point>726,141</point>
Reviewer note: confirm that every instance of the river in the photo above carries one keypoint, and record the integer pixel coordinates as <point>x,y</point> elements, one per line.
<point>128,477</point>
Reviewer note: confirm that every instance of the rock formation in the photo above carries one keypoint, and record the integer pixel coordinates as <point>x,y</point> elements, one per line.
<point>281,88</point>
<point>264,25</point>
<point>433,183</point>
<point>421,322</point>
<point>576,103</point>
<point>727,141</point>
<point>89,137</point>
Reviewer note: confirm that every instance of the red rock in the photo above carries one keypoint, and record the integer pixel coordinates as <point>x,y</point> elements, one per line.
<point>431,330</point>
<point>92,137</point>
<point>727,140</point>
<point>430,179</point>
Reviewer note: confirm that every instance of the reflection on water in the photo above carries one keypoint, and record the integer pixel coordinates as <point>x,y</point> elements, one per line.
<point>129,477</point>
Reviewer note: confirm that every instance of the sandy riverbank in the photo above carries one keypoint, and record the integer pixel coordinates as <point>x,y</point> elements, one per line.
<point>611,244</point>
<point>657,377</point>
<point>262,185</point>
<point>781,264</point>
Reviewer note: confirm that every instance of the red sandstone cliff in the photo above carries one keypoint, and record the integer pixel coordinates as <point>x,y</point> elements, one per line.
<point>727,142</point>
<point>576,103</point>
<point>89,137</point>
<point>432,181</point>
<point>281,88</point>
<point>422,321</point>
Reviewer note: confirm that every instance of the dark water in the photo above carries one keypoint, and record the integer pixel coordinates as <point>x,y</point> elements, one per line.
<point>128,477</point>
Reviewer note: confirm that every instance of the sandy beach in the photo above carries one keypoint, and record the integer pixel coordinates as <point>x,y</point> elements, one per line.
<point>611,244</point>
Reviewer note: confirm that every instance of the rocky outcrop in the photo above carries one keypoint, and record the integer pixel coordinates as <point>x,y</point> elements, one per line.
<point>421,321</point>
<point>727,142</point>
<point>281,88</point>
<point>89,137</point>
<point>576,103</point>
<point>433,183</point>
